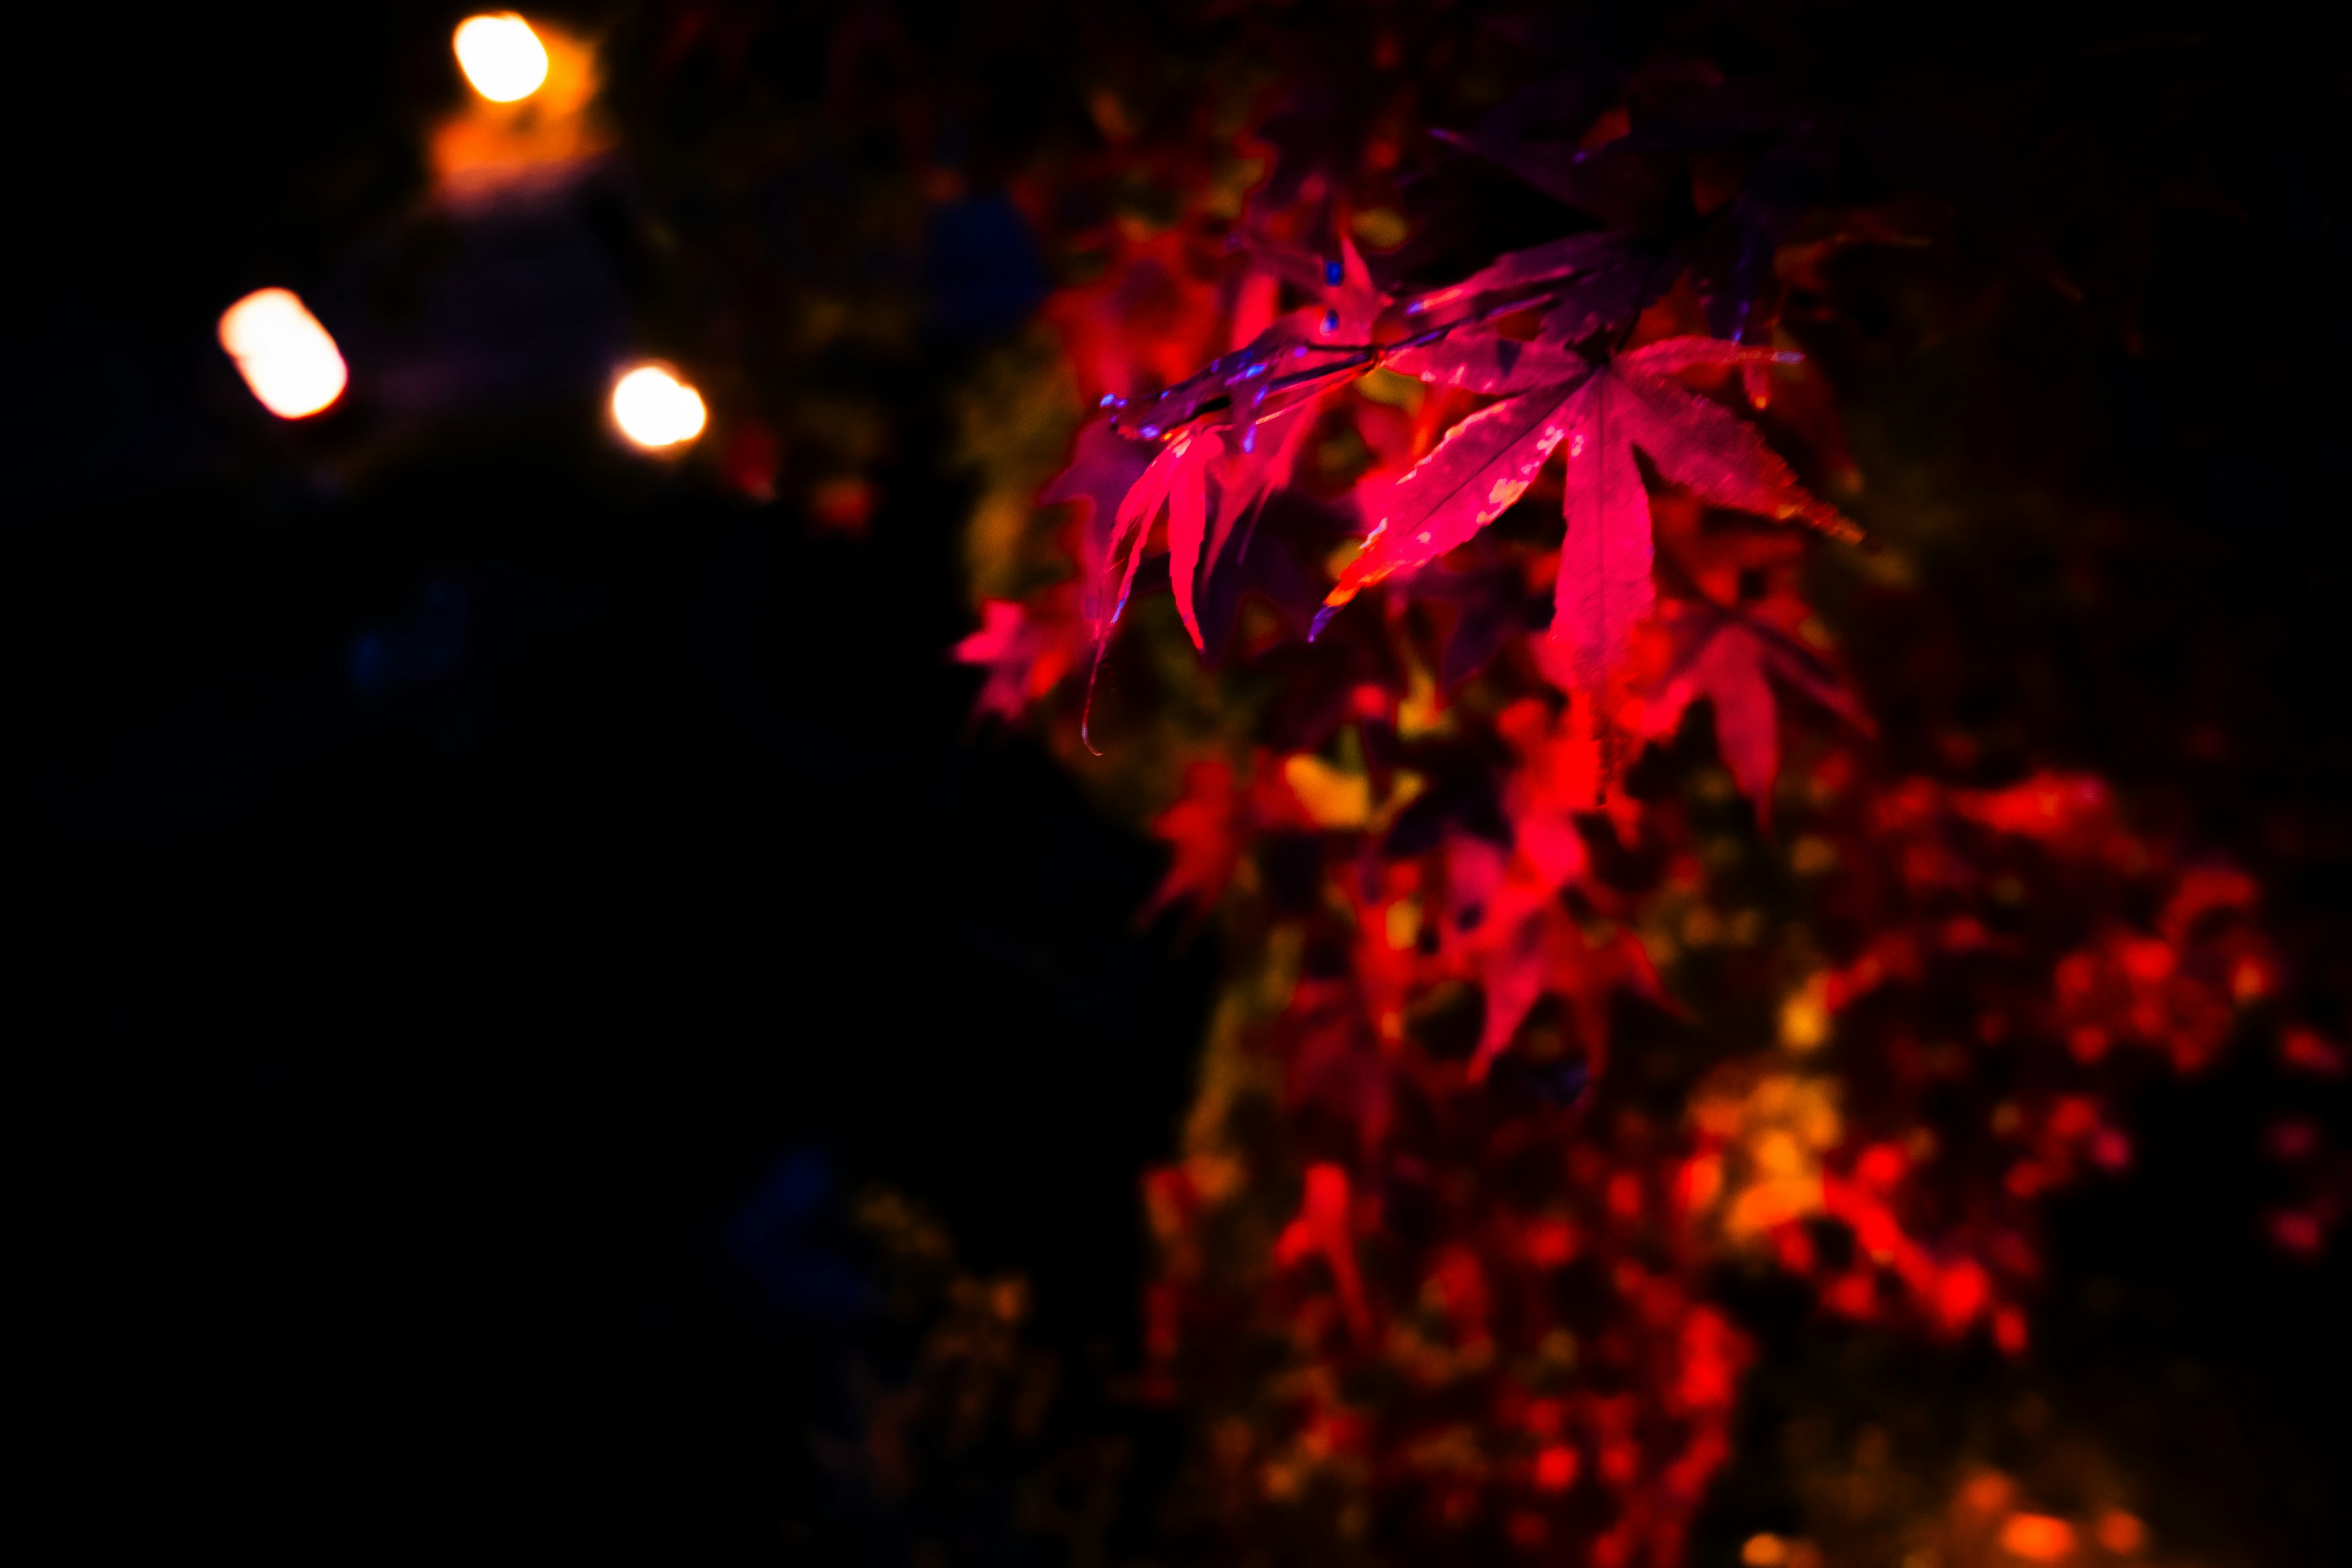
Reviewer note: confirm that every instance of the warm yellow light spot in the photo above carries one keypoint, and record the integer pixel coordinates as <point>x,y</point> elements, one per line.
<point>1421,712</point>
<point>501,57</point>
<point>1772,1203</point>
<point>655,409</point>
<point>1332,798</point>
<point>1382,228</point>
<point>284,354</point>
<point>1776,1127</point>
<point>494,143</point>
<point>1778,1154</point>
<point>1805,1015</point>
<point>1765,1550</point>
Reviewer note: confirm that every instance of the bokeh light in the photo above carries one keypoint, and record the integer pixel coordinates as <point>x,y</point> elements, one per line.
<point>655,409</point>
<point>284,355</point>
<point>2037,1538</point>
<point>501,57</point>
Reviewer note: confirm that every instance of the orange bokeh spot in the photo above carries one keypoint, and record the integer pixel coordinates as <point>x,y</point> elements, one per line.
<point>494,143</point>
<point>2037,1538</point>
<point>2121,1534</point>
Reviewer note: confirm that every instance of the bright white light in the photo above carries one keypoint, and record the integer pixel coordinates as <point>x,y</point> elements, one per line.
<point>653,408</point>
<point>284,354</point>
<point>501,57</point>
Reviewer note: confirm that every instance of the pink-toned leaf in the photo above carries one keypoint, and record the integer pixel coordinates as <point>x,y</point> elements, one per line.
<point>1730,670</point>
<point>1103,467</point>
<point>1353,299</point>
<point>1604,589</point>
<point>1256,301</point>
<point>1513,978</point>
<point>1670,355</point>
<point>1487,362</point>
<point>1519,270</point>
<point>1133,528</point>
<point>1483,465</point>
<point>1609,297</point>
<point>1000,647</point>
<point>1256,461</point>
<point>1187,522</point>
<point>1733,661</point>
<point>1720,457</point>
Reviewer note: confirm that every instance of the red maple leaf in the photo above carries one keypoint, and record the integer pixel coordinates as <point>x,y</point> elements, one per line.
<point>1232,432</point>
<point>1026,654</point>
<point>1733,661</point>
<point>1603,416</point>
<point>1322,1230</point>
<point>1205,828</point>
<point>1103,470</point>
<point>1526,948</point>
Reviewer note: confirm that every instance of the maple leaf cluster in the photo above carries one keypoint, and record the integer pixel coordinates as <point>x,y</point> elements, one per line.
<point>1582,947</point>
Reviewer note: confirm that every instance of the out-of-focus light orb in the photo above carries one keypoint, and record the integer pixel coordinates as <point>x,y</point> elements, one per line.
<point>501,57</point>
<point>284,354</point>
<point>656,409</point>
<point>2037,1538</point>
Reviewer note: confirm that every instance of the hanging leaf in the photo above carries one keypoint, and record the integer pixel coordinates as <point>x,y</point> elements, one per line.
<point>1604,589</point>
<point>1727,658</point>
<point>1483,465</point>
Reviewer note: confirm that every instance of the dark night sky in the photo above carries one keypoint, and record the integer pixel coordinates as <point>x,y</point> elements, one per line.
<point>450,893</point>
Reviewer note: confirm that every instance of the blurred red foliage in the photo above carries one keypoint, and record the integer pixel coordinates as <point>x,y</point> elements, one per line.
<point>1541,1014</point>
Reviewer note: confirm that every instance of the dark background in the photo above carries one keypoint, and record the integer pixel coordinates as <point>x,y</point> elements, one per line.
<point>452,878</point>
<point>459,864</point>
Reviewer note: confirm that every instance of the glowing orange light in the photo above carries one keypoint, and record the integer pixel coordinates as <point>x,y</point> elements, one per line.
<point>2037,1538</point>
<point>284,354</point>
<point>501,57</point>
<point>655,409</point>
<point>2120,1534</point>
<point>1764,1552</point>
